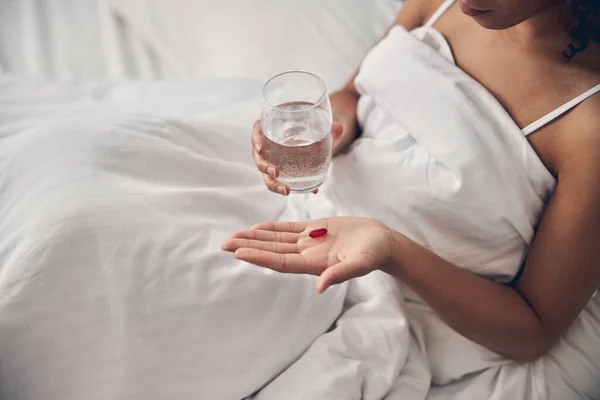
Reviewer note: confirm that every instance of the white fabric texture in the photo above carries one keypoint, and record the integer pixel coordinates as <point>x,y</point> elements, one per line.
<point>446,165</point>
<point>82,40</point>
<point>56,39</point>
<point>115,200</point>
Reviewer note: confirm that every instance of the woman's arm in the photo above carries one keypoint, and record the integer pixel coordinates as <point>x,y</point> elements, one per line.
<point>343,102</point>
<point>560,276</point>
<point>522,322</point>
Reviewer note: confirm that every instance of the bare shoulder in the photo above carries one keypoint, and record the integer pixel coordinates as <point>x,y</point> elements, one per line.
<point>586,126</point>
<point>431,6</point>
<point>414,13</point>
<point>562,270</point>
<point>580,142</point>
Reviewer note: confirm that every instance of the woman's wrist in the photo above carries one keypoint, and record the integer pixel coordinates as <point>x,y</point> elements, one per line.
<point>400,248</point>
<point>344,105</point>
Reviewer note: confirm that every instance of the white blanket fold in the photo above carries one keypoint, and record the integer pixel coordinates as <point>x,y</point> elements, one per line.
<point>449,168</point>
<point>114,201</point>
<point>361,357</point>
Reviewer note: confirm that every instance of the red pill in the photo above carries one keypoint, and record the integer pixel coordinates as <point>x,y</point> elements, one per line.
<point>318,233</point>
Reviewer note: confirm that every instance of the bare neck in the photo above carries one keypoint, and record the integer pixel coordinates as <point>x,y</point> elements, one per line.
<point>542,33</point>
<point>545,34</point>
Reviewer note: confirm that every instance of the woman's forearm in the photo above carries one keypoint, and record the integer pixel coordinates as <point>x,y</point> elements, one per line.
<point>491,314</point>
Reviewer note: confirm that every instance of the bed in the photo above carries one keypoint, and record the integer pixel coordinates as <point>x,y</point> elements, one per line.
<point>58,60</point>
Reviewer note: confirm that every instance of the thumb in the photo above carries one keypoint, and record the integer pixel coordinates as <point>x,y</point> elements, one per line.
<point>337,130</point>
<point>350,267</point>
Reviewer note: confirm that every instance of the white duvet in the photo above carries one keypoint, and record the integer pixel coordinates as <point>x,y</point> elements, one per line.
<point>114,200</point>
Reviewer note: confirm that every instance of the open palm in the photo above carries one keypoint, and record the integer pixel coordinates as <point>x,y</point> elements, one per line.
<point>353,247</point>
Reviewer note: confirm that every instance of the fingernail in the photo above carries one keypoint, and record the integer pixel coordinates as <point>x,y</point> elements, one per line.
<point>271,172</point>
<point>257,147</point>
<point>282,190</point>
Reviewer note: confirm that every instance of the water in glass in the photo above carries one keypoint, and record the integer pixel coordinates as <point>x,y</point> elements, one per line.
<point>301,146</point>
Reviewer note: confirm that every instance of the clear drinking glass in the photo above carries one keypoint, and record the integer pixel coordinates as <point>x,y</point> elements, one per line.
<point>296,122</point>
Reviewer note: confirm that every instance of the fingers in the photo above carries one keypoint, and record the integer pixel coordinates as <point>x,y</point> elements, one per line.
<point>285,263</point>
<point>337,130</point>
<point>272,247</point>
<point>266,236</point>
<point>270,174</point>
<point>270,171</point>
<point>350,268</point>
<point>264,166</point>
<point>282,226</point>
<point>257,138</point>
<point>257,150</point>
<point>276,186</point>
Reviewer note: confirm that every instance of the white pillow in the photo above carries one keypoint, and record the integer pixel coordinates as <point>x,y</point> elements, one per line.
<point>258,38</point>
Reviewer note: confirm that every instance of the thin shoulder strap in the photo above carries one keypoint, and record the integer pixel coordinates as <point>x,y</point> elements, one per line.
<point>439,12</point>
<point>545,120</point>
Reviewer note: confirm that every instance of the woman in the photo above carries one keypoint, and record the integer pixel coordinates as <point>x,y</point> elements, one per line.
<point>534,57</point>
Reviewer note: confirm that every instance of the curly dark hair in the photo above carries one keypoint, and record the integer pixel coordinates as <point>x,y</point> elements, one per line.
<point>583,23</point>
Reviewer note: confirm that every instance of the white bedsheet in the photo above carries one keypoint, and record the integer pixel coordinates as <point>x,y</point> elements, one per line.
<point>114,201</point>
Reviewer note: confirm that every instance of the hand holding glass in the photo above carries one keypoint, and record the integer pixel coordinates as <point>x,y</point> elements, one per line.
<point>296,122</point>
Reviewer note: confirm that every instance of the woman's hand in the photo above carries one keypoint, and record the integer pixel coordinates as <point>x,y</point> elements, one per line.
<point>344,130</point>
<point>270,171</point>
<point>351,248</point>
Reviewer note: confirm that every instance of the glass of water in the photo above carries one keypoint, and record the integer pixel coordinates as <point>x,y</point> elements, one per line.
<point>296,122</point>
